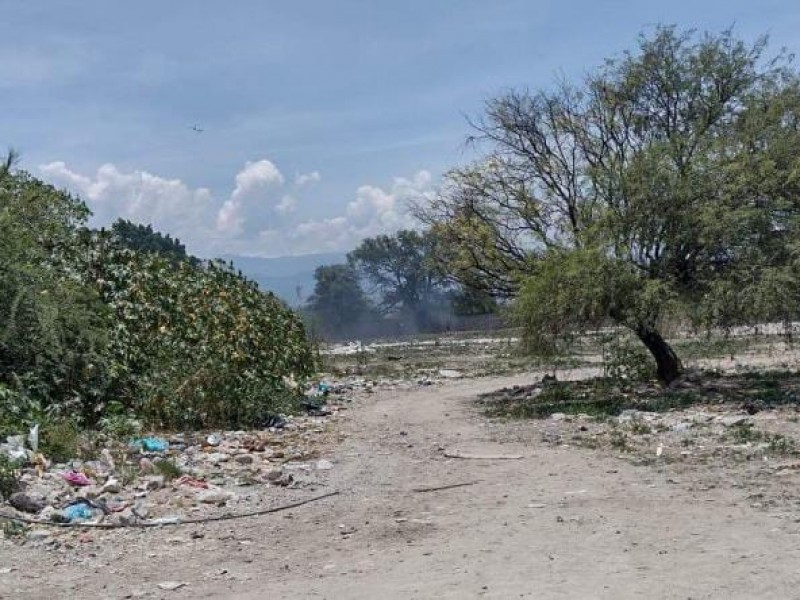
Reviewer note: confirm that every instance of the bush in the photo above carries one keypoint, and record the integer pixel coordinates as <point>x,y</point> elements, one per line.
<point>198,346</point>
<point>93,333</point>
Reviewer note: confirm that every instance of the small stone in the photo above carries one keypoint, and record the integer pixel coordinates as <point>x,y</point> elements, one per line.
<point>25,503</point>
<point>217,457</point>
<point>171,586</point>
<point>734,420</point>
<point>244,459</point>
<point>273,474</point>
<point>141,510</point>
<point>324,465</point>
<point>214,496</point>
<point>90,491</point>
<point>154,482</point>
<point>558,417</point>
<point>112,486</point>
<point>38,535</point>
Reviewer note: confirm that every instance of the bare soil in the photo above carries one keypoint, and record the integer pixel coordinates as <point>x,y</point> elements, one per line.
<point>561,522</point>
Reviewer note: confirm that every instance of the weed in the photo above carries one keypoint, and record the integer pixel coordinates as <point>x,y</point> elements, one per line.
<point>619,440</point>
<point>640,428</point>
<point>168,469</point>
<point>59,440</point>
<point>9,476</point>
<point>13,529</point>
<point>780,444</point>
<point>744,433</point>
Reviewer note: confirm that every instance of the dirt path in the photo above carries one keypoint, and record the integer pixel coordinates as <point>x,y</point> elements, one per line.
<point>559,523</point>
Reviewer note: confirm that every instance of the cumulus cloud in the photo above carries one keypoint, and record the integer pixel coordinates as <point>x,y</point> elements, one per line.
<point>306,178</point>
<point>374,211</point>
<point>169,204</point>
<point>258,217</point>
<point>287,205</point>
<point>250,195</point>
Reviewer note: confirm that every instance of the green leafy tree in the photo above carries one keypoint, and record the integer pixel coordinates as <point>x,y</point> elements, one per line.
<point>664,183</point>
<point>144,239</point>
<point>403,270</point>
<point>338,303</point>
<point>53,327</point>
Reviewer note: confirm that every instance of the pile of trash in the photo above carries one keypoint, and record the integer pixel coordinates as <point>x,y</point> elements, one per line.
<point>168,478</point>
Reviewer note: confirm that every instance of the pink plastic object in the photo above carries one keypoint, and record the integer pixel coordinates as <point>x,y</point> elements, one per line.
<point>75,478</point>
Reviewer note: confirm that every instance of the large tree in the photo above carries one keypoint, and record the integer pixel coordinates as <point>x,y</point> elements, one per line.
<point>666,181</point>
<point>403,270</point>
<point>338,303</point>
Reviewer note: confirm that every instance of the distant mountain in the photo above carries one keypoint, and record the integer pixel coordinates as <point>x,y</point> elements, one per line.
<point>286,275</point>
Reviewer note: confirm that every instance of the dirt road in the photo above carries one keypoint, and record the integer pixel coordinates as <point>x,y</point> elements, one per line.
<point>560,522</point>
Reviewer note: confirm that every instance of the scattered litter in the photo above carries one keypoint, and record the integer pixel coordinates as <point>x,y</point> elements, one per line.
<point>78,512</point>
<point>76,478</point>
<point>152,444</point>
<point>192,482</point>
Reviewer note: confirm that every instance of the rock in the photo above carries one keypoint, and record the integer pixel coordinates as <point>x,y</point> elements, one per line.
<point>154,482</point>
<point>324,465</point>
<point>112,486</point>
<point>450,374</point>
<point>25,503</point>
<point>244,459</point>
<point>273,474</point>
<point>214,496</point>
<point>682,427</point>
<point>146,466</point>
<point>107,458</point>
<point>47,513</point>
<point>141,510</point>
<point>90,491</point>
<point>171,586</point>
<point>38,535</point>
<point>213,440</point>
<point>734,420</point>
<point>217,457</point>
<point>558,417</point>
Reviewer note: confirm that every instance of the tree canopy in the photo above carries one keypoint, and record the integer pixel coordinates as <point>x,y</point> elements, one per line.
<point>403,271</point>
<point>664,183</point>
<point>338,303</point>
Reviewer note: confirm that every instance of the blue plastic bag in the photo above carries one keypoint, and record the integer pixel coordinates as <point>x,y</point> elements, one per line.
<point>152,444</point>
<point>78,512</point>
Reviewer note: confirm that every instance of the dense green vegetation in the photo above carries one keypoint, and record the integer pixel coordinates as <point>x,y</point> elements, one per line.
<point>93,331</point>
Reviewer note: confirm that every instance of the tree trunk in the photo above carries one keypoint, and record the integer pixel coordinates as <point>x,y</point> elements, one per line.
<point>668,366</point>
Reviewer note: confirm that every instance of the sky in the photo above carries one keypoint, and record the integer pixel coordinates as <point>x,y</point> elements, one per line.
<point>320,119</point>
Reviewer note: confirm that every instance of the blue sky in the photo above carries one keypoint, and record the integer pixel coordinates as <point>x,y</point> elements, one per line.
<point>321,118</point>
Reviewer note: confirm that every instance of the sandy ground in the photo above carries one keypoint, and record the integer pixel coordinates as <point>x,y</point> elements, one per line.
<point>561,522</point>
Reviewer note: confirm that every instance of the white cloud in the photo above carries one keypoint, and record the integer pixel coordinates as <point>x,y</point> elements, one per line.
<point>287,205</point>
<point>250,195</point>
<point>306,178</point>
<point>258,217</point>
<point>168,204</point>
<point>374,211</point>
